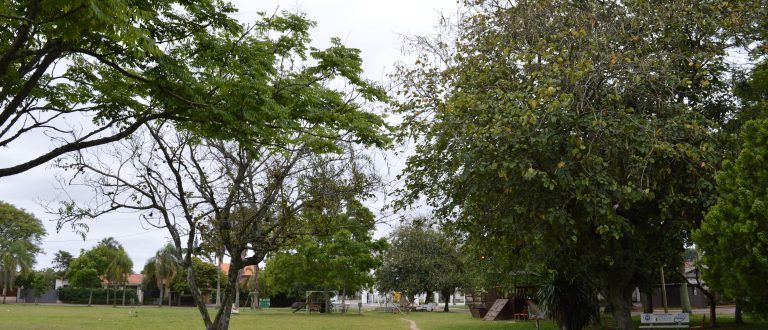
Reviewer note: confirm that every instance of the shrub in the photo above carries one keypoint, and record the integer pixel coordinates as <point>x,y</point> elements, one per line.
<point>80,296</point>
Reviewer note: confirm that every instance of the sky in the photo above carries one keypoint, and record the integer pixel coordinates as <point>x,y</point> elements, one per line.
<point>374,27</point>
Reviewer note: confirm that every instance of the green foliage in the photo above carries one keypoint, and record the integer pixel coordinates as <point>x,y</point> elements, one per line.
<point>205,276</point>
<point>84,278</point>
<point>61,261</point>
<point>420,259</point>
<point>108,258</point>
<point>20,239</point>
<point>734,235</point>
<point>70,295</point>
<point>571,300</point>
<point>337,250</point>
<point>582,135</point>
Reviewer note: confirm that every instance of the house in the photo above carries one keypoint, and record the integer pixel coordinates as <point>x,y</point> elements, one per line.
<point>247,272</point>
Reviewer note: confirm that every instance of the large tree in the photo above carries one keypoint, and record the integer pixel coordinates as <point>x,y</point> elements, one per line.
<point>20,235</point>
<point>582,132</point>
<point>244,194</point>
<point>421,260</point>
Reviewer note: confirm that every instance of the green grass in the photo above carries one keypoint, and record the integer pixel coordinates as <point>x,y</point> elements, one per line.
<point>23,316</point>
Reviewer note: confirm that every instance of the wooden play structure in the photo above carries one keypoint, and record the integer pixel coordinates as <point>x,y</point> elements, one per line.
<point>500,304</point>
<point>316,302</point>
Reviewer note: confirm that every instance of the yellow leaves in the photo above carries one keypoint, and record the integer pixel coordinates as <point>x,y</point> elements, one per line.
<point>550,90</point>
<point>533,103</point>
<point>561,165</point>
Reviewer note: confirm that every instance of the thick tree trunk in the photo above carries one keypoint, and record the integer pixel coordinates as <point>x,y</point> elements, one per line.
<point>712,310</point>
<point>123,295</point>
<point>222,316</point>
<point>447,297</point>
<point>619,296</point>
<point>738,319</point>
<point>429,298</point>
<point>648,301</point>
<point>90,296</point>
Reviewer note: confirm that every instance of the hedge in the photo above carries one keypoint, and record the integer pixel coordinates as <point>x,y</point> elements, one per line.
<point>80,296</point>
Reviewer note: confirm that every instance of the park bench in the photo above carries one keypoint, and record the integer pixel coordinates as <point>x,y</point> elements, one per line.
<point>665,321</point>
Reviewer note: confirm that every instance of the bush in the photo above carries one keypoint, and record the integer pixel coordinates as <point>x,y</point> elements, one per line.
<point>80,296</point>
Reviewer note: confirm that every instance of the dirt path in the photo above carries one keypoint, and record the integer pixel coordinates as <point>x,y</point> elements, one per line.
<point>413,324</point>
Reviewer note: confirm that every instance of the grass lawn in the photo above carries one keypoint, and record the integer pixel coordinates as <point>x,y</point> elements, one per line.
<point>23,316</point>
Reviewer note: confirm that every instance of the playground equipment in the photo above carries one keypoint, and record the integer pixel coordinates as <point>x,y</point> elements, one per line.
<point>316,301</point>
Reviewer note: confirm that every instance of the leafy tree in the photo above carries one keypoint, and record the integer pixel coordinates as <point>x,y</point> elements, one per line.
<point>732,237</point>
<point>108,258</point>
<point>167,267</point>
<point>339,253</point>
<point>85,278</point>
<point>273,90</point>
<point>583,132</point>
<point>61,261</point>
<point>20,235</point>
<point>206,276</point>
<point>121,64</point>
<point>39,285</point>
<point>421,259</point>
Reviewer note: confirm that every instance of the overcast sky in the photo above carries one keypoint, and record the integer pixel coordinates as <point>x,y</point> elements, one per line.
<point>375,27</point>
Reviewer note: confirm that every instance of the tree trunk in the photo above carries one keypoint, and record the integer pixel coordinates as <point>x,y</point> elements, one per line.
<point>198,298</point>
<point>446,296</point>
<point>325,301</point>
<point>218,281</point>
<point>256,288</point>
<point>5,290</point>
<point>712,310</point>
<point>123,295</point>
<point>169,294</point>
<point>90,296</point>
<point>685,300</point>
<point>648,301</point>
<point>343,298</point>
<point>107,303</point>
<point>429,298</point>
<point>737,317</point>
<point>221,322</point>
<point>160,302</point>
<point>619,296</point>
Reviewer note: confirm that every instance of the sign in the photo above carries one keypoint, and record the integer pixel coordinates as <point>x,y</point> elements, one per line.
<point>665,318</point>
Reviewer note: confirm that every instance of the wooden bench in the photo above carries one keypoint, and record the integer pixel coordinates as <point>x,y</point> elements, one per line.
<point>665,321</point>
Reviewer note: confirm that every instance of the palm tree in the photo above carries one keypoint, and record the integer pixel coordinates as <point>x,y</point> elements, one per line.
<point>166,268</point>
<point>18,256</point>
<point>119,268</point>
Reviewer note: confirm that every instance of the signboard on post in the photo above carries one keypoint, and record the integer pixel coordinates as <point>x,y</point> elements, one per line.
<point>665,318</point>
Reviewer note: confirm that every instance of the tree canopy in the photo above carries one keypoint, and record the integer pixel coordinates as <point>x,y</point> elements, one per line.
<point>582,135</point>
<point>421,260</point>
<point>20,239</point>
